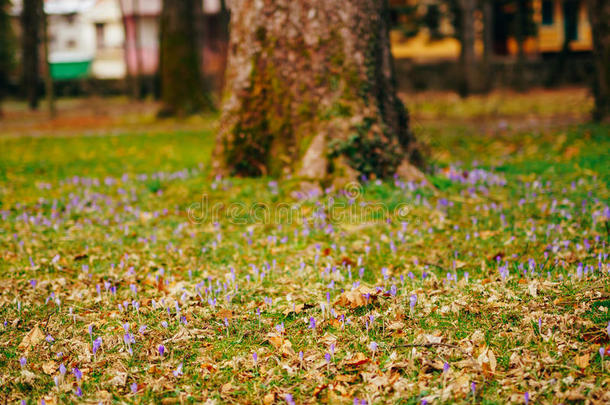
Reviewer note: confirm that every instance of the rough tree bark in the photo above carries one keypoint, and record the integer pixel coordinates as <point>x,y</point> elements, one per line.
<point>599,15</point>
<point>310,92</point>
<point>30,39</point>
<point>182,90</point>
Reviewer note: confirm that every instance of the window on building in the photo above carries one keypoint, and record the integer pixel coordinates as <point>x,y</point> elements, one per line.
<point>547,12</point>
<point>99,35</point>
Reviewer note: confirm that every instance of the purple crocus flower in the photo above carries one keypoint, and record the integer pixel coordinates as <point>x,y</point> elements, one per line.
<point>373,346</point>
<point>62,369</point>
<point>526,397</point>
<point>78,392</point>
<point>77,373</point>
<point>161,350</point>
<point>49,339</point>
<point>178,372</point>
<point>473,388</point>
<point>446,367</point>
<point>134,388</point>
<point>97,343</point>
<point>327,357</point>
<point>312,323</point>
<point>255,357</point>
<point>412,301</point>
<point>23,362</point>
<point>288,399</point>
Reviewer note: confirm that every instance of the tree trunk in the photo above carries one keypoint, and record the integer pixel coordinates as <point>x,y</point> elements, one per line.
<point>311,92</point>
<point>488,43</point>
<point>467,55</point>
<point>182,90</point>
<point>137,40</point>
<point>216,32</point>
<point>30,24</point>
<point>6,49</point>
<point>599,15</point>
<point>48,80</point>
<point>520,34</point>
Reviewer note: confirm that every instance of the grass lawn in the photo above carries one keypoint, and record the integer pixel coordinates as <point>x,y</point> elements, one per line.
<point>128,275</point>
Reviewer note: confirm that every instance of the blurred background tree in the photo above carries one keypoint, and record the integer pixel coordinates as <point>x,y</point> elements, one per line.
<point>31,18</point>
<point>7,49</point>
<point>599,11</point>
<point>468,46</point>
<point>456,19</point>
<point>182,85</point>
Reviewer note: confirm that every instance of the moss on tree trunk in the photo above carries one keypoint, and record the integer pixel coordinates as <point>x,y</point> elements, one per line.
<point>309,86</point>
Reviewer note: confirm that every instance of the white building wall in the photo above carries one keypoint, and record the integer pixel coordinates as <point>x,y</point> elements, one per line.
<point>71,38</point>
<point>109,60</point>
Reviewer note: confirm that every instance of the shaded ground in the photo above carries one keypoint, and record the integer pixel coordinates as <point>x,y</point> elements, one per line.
<point>501,110</point>
<point>92,116</point>
<point>490,287</point>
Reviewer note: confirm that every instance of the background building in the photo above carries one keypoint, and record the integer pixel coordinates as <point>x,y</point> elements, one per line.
<point>554,20</point>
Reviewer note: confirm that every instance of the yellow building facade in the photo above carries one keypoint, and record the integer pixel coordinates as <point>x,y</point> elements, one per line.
<point>555,21</point>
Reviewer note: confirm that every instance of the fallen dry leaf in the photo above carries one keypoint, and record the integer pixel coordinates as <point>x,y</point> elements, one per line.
<point>49,367</point>
<point>32,338</point>
<point>357,360</point>
<point>269,398</point>
<point>346,378</point>
<point>360,296</point>
<point>582,361</point>
<point>487,360</point>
